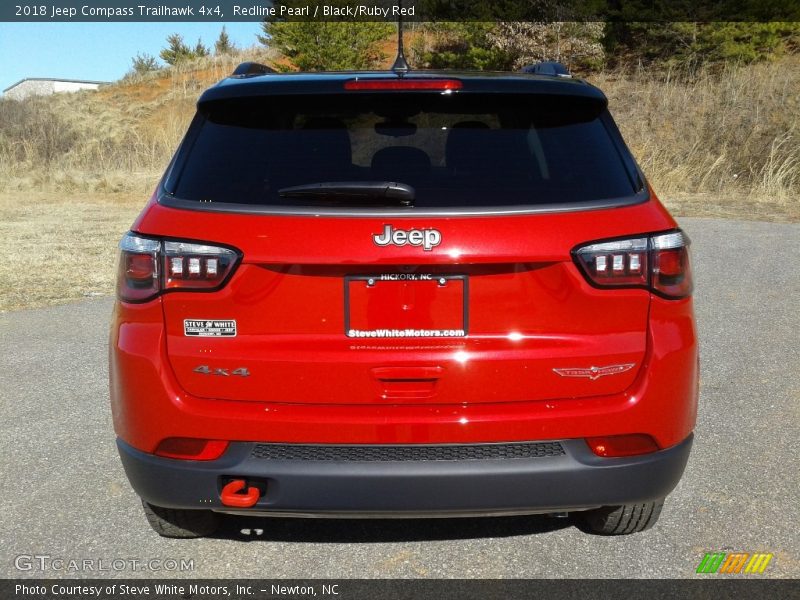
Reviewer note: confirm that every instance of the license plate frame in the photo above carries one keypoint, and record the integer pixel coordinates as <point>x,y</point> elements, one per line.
<point>400,277</point>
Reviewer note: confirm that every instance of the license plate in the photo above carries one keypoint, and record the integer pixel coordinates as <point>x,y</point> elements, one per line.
<point>405,305</point>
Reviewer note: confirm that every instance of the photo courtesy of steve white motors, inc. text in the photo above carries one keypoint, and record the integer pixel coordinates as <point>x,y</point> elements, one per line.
<point>183,590</point>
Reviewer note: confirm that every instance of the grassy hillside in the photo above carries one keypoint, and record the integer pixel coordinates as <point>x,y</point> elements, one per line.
<point>116,139</point>
<point>75,169</point>
<point>710,142</point>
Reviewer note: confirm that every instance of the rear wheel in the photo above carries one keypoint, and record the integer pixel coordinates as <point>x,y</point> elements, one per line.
<point>622,520</point>
<point>180,523</point>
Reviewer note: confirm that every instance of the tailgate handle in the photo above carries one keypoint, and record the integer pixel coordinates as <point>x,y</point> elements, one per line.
<point>407,383</point>
<point>401,374</point>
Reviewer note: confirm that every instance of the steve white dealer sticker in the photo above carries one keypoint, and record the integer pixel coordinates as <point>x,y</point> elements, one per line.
<point>209,328</point>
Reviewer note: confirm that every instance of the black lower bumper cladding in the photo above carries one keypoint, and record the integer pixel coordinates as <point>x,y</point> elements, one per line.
<point>409,480</point>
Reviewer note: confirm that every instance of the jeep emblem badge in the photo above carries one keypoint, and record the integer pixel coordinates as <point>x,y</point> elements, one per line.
<point>427,238</point>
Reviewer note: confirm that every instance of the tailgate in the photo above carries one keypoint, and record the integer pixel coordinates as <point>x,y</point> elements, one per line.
<point>497,312</point>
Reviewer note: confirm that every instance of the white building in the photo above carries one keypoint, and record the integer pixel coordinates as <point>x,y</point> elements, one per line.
<point>36,86</point>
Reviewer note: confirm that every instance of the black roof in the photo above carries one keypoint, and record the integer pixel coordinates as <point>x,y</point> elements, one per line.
<point>333,82</point>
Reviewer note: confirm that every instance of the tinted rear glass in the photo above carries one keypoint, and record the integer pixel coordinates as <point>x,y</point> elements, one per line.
<point>454,150</point>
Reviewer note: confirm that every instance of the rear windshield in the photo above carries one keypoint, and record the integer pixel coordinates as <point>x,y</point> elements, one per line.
<point>459,150</point>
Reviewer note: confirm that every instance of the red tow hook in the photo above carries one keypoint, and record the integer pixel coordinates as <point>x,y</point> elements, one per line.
<point>230,495</point>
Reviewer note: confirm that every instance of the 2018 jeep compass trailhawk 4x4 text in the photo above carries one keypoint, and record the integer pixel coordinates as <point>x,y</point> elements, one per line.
<point>421,294</point>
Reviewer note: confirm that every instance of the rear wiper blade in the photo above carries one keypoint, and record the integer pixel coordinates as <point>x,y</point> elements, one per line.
<point>390,191</point>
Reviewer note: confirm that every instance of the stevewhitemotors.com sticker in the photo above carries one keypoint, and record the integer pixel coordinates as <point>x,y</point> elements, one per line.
<point>209,328</point>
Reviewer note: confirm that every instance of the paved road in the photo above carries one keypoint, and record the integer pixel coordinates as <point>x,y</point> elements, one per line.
<point>65,495</point>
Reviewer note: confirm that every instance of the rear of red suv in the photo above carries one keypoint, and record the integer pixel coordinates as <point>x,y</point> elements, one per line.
<point>437,294</point>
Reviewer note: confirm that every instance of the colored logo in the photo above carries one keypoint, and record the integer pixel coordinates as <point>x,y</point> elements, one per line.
<point>734,562</point>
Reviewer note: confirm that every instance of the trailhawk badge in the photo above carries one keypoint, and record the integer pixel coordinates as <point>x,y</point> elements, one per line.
<point>595,372</point>
<point>427,238</point>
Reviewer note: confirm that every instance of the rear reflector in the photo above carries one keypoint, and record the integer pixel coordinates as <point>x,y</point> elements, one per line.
<point>403,84</point>
<point>622,445</point>
<point>658,262</point>
<point>149,267</point>
<point>191,448</point>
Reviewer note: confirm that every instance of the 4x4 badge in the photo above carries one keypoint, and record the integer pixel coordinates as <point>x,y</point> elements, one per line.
<point>595,372</point>
<point>427,238</point>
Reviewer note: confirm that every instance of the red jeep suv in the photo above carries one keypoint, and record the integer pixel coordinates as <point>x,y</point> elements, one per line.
<point>403,294</point>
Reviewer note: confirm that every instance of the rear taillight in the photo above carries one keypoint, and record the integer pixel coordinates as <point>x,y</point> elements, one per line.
<point>671,270</point>
<point>151,266</point>
<point>657,262</point>
<point>196,266</point>
<point>138,277</point>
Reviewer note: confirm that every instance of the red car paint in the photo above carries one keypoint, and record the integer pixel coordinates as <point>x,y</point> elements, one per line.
<point>489,386</point>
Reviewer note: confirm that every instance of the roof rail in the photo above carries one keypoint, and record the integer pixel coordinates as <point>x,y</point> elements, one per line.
<point>252,68</point>
<point>547,67</point>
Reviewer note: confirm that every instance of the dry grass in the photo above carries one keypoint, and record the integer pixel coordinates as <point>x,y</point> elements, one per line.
<point>733,206</point>
<point>715,134</point>
<point>60,247</point>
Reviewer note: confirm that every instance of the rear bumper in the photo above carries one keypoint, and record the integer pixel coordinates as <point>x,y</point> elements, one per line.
<point>573,480</point>
<point>149,405</point>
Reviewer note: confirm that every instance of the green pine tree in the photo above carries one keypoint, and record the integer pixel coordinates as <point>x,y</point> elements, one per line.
<point>144,63</point>
<point>177,50</point>
<point>327,46</point>
<point>224,45</point>
<point>694,44</point>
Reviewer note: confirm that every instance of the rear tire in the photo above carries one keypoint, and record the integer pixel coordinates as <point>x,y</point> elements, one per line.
<point>180,523</point>
<point>622,520</point>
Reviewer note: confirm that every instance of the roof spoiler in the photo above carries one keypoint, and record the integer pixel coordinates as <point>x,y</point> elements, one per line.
<point>252,68</point>
<point>547,67</point>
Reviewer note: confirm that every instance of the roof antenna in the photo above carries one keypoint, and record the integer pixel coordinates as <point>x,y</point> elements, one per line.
<point>400,65</point>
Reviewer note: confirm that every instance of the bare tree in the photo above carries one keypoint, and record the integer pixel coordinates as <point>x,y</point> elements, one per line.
<point>576,44</point>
